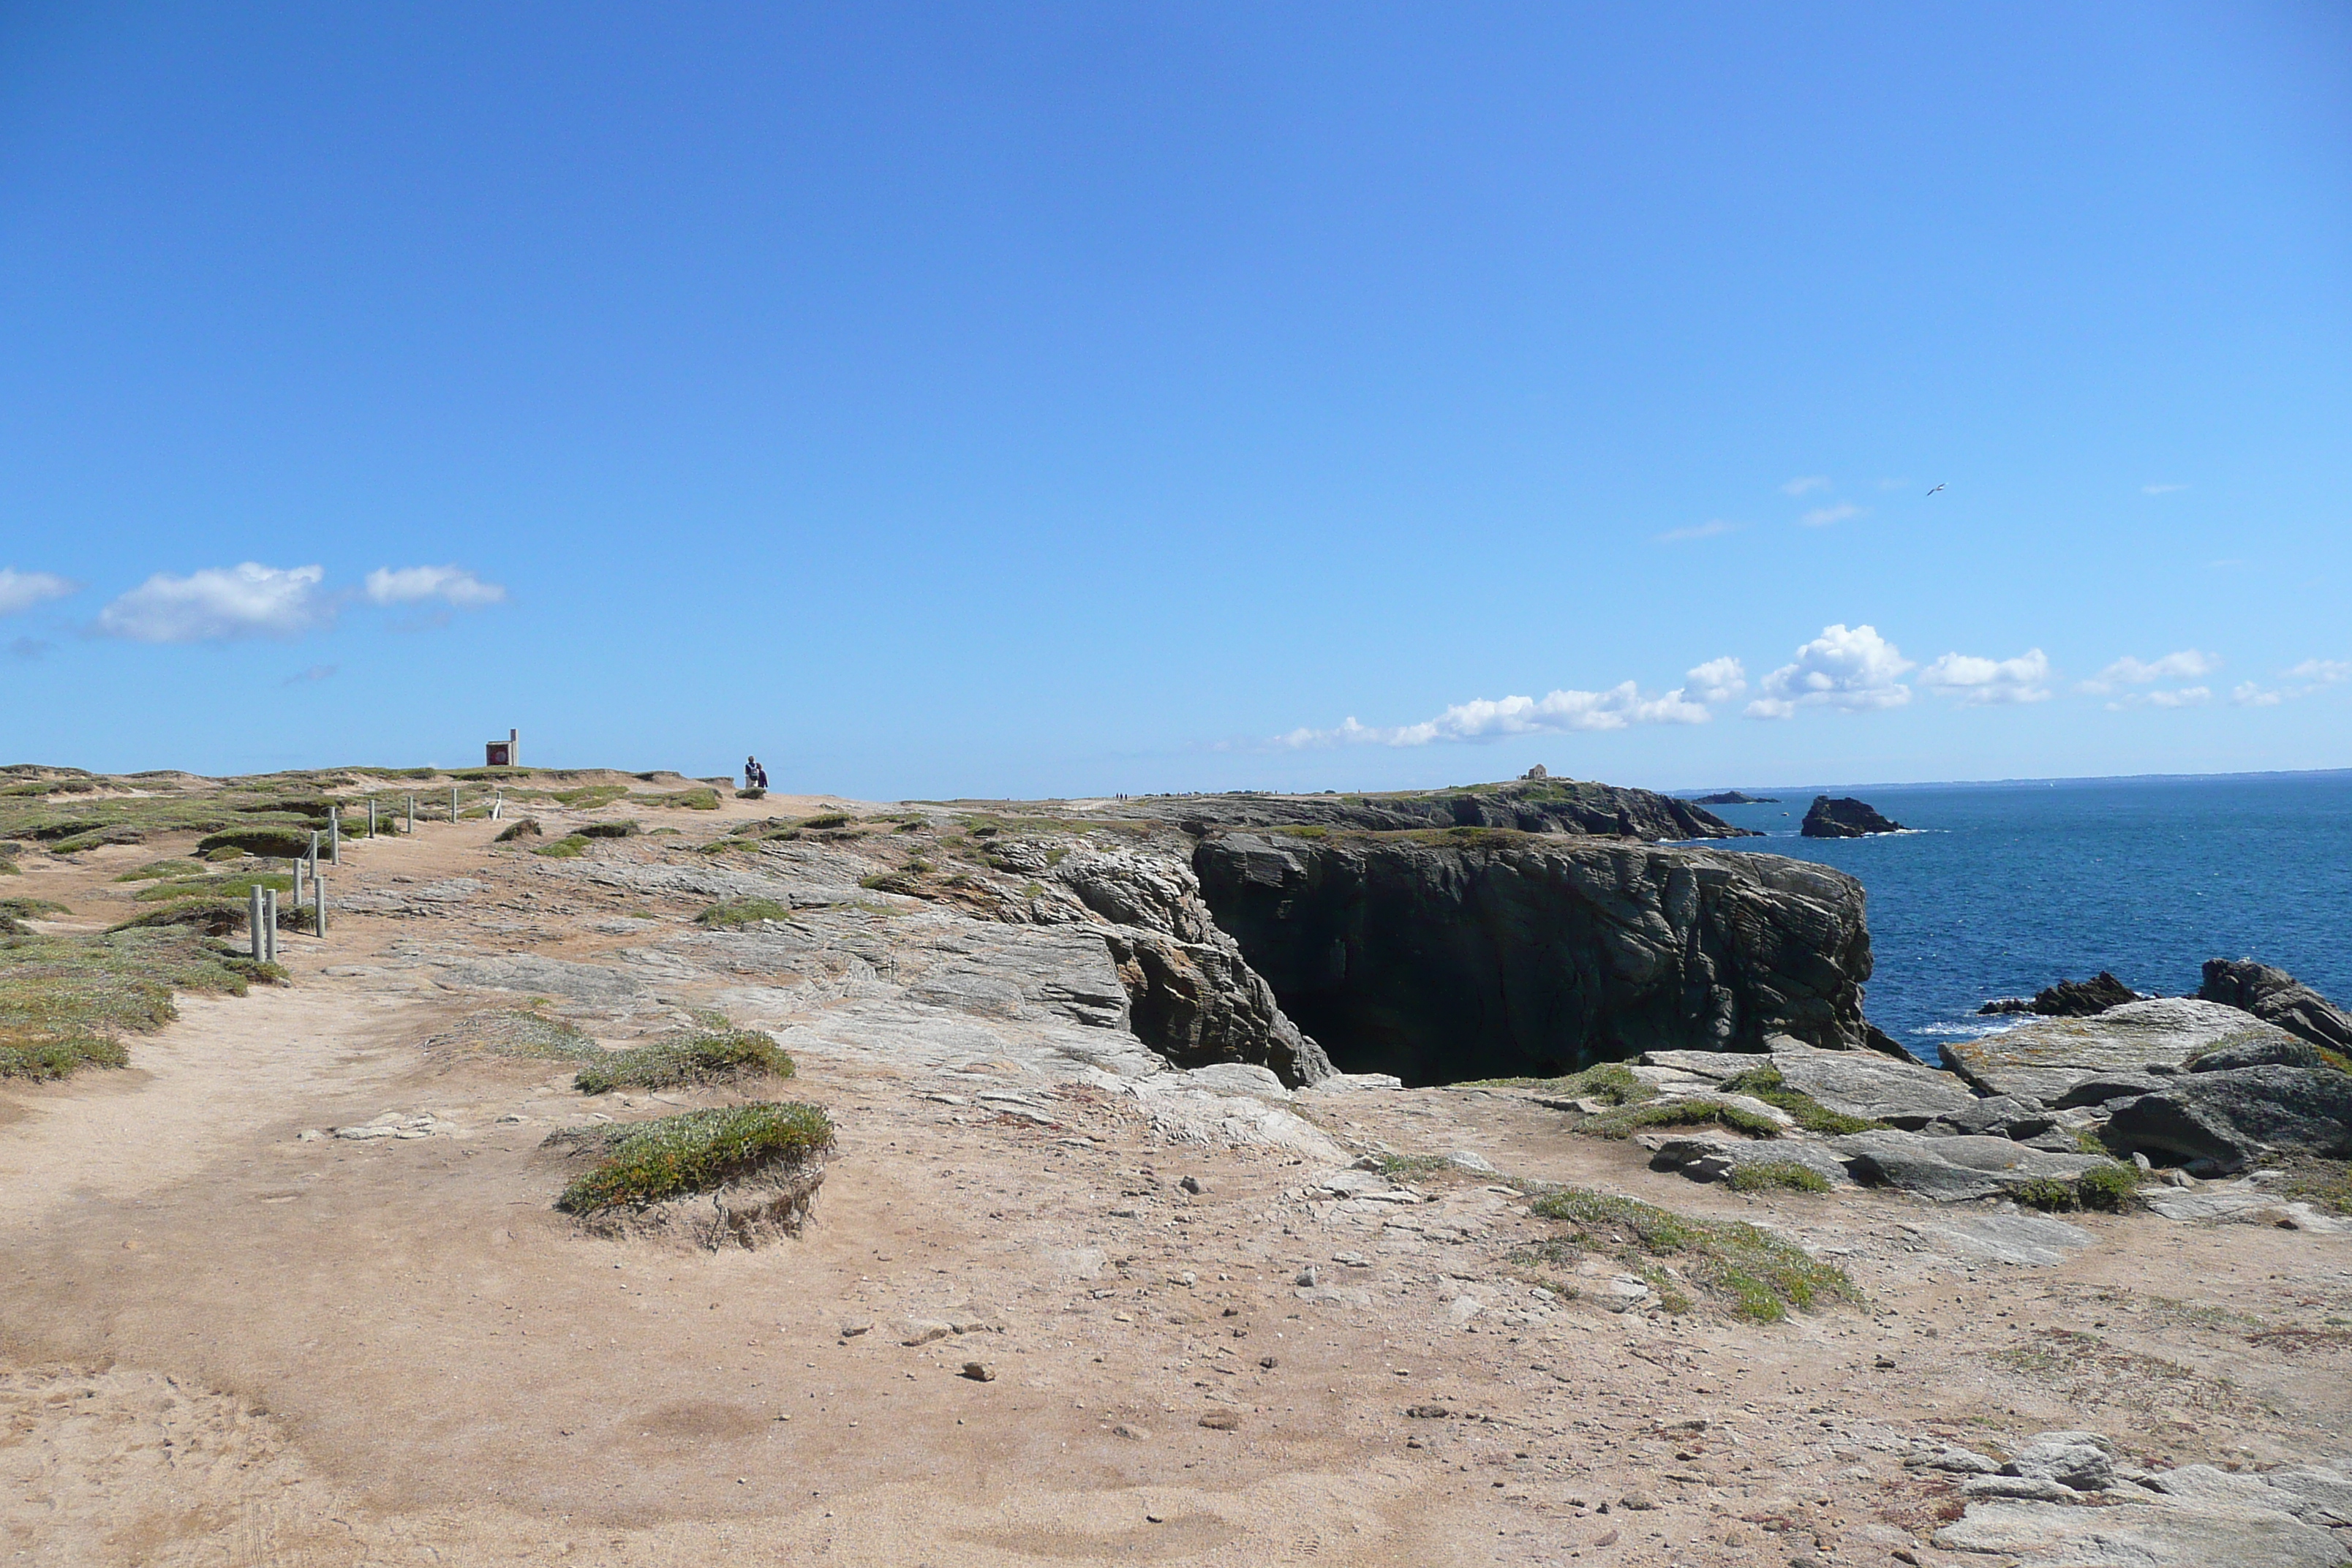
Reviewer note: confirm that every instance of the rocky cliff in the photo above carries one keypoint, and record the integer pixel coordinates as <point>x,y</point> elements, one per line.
<point>1463,955</point>
<point>1528,806</point>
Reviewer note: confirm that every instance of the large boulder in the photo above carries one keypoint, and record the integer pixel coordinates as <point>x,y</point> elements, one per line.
<point>2045,1059</point>
<point>2233,1116</point>
<point>1844,817</point>
<point>1953,1170</point>
<point>1902,1093</point>
<point>2277,997</point>
<point>1440,957</point>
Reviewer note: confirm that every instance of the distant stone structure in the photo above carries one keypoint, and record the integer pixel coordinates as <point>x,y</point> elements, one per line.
<point>1538,771</point>
<point>506,753</point>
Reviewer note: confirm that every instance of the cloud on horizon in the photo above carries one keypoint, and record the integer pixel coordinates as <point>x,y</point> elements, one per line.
<point>1852,669</point>
<point>1983,683</point>
<point>2188,664</point>
<point>221,604</point>
<point>1621,707</point>
<point>22,590</point>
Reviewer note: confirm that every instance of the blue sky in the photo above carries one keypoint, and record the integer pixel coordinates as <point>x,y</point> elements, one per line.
<point>1064,399</point>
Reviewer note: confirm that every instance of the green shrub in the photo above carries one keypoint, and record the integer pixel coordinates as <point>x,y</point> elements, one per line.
<point>1698,1112</point>
<point>213,917</point>
<point>1765,1083</point>
<point>680,1155</point>
<point>691,799</point>
<point>2109,1187</point>
<point>283,843</point>
<point>588,797</point>
<point>827,819</point>
<point>1765,1175</point>
<point>743,912</point>
<point>527,828</point>
<point>569,847</point>
<point>700,1059</point>
<point>2046,1193</point>
<point>623,829</point>
<point>1756,1273</point>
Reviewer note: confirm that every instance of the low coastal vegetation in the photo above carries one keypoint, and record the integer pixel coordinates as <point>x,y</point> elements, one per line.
<point>68,999</point>
<point>1771,1175</point>
<point>2110,1188</point>
<point>1766,1084</point>
<point>1753,1273</point>
<point>650,1161</point>
<point>731,912</point>
<point>1699,1111</point>
<point>570,847</point>
<point>522,1032</point>
<point>709,1057</point>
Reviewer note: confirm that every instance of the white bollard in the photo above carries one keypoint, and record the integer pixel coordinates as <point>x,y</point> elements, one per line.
<point>318,904</point>
<point>371,817</point>
<point>412,813</point>
<point>253,923</point>
<point>269,923</point>
<point>453,805</point>
<point>298,883</point>
<point>335,835</point>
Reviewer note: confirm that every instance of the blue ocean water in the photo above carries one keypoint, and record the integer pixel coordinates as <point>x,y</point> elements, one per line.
<point>1999,889</point>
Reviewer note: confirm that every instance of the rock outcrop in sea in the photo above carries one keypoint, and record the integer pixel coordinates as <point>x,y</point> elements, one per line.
<point>2068,998</point>
<point>2277,997</point>
<point>1844,817</point>
<point>1734,797</point>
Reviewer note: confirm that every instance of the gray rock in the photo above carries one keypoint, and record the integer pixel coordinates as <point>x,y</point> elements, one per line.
<point>2105,1089</point>
<point>1901,1093</point>
<point>2024,1240</point>
<point>2048,1056</point>
<point>2261,1054</point>
<point>1952,1170</point>
<point>2154,1532</point>
<point>1441,961</point>
<point>2030,1488</point>
<point>2232,1116</point>
<point>590,983</point>
<point>1996,1116</point>
<point>1713,1066</point>
<point>2085,1461</point>
<point>2277,997</point>
<point>1715,1159</point>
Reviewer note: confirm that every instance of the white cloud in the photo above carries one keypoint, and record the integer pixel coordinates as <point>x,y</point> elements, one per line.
<point>2247,694</point>
<point>23,590</point>
<point>1980,682</point>
<point>1713,528</point>
<point>2321,671</point>
<point>2161,489</point>
<point>415,584</point>
<point>1717,680</point>
<point>1822,516</point>
<point>2186,665</point>
<point>1854,670</point>
<point>1805,484</point>
<point>1619,708</point>
<point>221,603</point>
<point>2186,696</point>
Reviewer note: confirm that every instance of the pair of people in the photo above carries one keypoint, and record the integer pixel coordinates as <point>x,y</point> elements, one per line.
<point>754,775</point>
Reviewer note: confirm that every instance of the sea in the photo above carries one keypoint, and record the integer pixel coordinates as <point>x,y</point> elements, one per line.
<point>1998,889</point>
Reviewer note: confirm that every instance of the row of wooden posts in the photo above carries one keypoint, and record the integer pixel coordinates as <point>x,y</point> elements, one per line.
<point>261,911</point>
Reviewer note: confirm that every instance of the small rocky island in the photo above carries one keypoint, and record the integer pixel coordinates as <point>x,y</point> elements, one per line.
<point>1734,797</point>
<point>1845,818</point>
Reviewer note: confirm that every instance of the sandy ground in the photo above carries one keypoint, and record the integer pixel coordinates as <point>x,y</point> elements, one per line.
<point>222,1342</point>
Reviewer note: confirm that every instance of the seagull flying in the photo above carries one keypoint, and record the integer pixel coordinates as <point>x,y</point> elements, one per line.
<point>1937,487</point>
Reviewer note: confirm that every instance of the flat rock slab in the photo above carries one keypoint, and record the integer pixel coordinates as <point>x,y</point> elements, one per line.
<point>2159,1530</point>
<point>1954,1170</point>
<point>2027,1240</point>
<point>2048,1056</point>
<point>1866,1084</point>
<point>1715,1159</point>
<point>589,982</point>
<point>2249,1206</point>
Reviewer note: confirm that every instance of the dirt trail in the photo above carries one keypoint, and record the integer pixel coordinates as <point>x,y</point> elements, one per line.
<point>224,1343</point>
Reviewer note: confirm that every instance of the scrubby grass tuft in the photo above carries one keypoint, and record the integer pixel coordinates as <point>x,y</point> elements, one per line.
<point>828,819</point>
<point>569,847</point>
<point>742,913</point>
<point>518,1032</point>
<point>1626,1121</point>
<point>156,870</point>
<point>1766,1176</point>
<point>680,1156</point>
<point>698,1058</point>
<point>2111,1187</point>
<point>2326,1184</point>
<point>626,829</point>
<point>1394,1166</point>
<point>528,828</point>
<point>1759,1276</point>
<point>1611,1082</point>
<point>283,843</point>
<point>66,1000</point>
<point>691,799</point>
<point>1765,1083</point>
<point>220,885</point>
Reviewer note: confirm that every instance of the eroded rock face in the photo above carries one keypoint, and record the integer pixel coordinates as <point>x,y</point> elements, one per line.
<point>2231,1116</point>
<point>1439,960</point>
<point>2277,997</point>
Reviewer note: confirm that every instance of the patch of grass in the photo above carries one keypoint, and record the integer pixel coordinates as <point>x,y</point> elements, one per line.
<point>280,843</point>
<point>680,1156</point>
<point>66,1000</point>
<point>827,819</point>
<point>1765,1083</point>
<point>1767,1175</point>
<point>742,913</point>
<point>626,828</point>
<point>155,871</point>
<point>1394,1166</point>
<point>698,1058</point>
<point>13,913</point>
<point>588,797</point>
<point>2110,1187</point>
<point>2322,1184</point>
<point>689,799</point>
<point>518,1032</point>
<point>903,879</point>
<point>569,847</point>
<point>1754,1273</point>
<point>527,828</point>
<point>219,885</point>
<point>1697,1111</point>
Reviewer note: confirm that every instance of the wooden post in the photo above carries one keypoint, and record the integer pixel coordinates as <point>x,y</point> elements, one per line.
<point>253,923</point>
<point>335,835</point>
<point>412,813</point>
<point>318,904</point>
<point>297,882</point>
<point>453,805</point>
<point>269,923</point>
<point>371,817</point>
